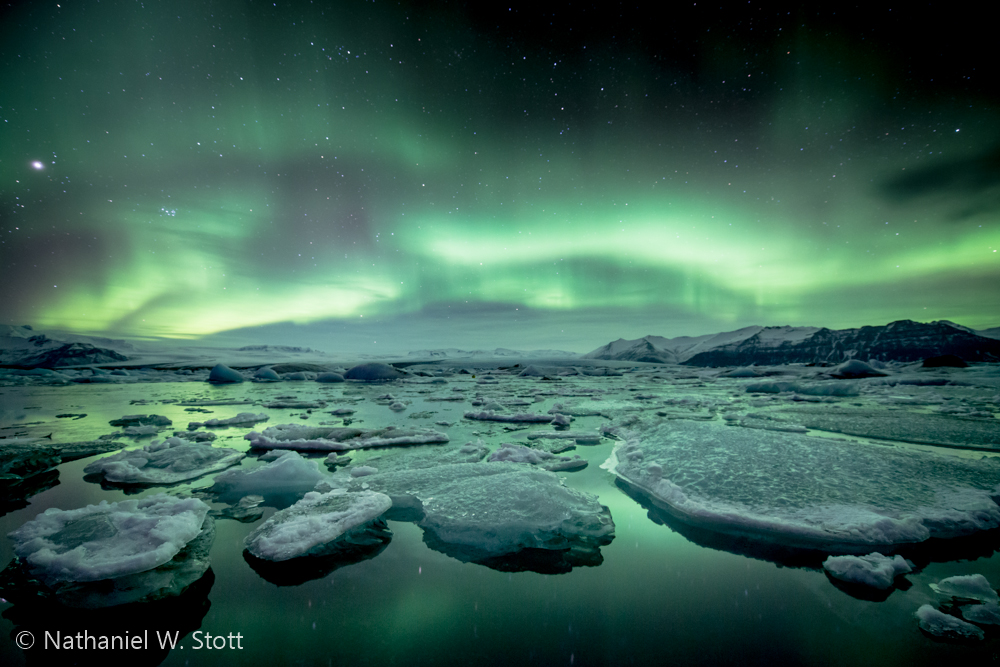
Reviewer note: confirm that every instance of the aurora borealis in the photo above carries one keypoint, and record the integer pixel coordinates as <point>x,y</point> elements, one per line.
<point>535,175</point>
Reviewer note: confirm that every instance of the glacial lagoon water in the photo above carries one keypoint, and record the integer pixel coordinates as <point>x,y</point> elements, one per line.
<point>664,592</point>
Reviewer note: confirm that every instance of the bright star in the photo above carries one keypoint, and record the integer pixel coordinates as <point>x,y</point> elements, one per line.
<point>38,165</point>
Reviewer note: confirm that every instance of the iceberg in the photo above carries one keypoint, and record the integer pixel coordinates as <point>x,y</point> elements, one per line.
<point>222,374</point>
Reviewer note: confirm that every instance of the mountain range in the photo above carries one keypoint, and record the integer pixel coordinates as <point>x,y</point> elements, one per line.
<point>904,341</point>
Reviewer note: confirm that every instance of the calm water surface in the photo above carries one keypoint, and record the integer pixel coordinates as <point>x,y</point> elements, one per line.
<point>663,595</point>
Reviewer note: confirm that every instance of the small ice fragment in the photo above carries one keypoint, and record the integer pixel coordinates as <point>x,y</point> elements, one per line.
<point>939,624</point>
<point>873,570</point>
<point>971,586</point>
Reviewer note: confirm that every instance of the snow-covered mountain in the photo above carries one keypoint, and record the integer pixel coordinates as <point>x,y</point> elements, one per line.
<point>455,353</point>
<point>904,340</point>
<point>21,346</point>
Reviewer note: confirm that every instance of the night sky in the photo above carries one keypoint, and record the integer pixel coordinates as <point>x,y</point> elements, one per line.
<point>381,176</point>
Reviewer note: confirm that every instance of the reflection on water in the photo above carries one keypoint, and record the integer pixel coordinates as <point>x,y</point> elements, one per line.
<point>298,571</point>
<point>177,616</point>
<point>660,592</point>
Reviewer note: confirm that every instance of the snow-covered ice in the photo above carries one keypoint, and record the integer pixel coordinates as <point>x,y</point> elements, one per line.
<point>982,614</point>
<point>939,624</point>
<point>970,586</point>
<point>109,539</point>
<point>316,524</point>
<point>240,419</point>
<point>544,460</point>
<point>490,416</point>
<point>328,438</point>
<point>496,508</point>
<point>806,491</point>
<point>168,462</point>
<point>873,570</point>
<point>287,475</point>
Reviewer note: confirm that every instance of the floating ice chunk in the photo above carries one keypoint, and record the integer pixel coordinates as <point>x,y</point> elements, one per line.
<point>497,508</point>
<point>329,377</point>
<point>823,389</point>
<point>873,570</point>
<point>804,491</point>
<point>215,401</point>
<point>579,437</point>
<point>412,458</point>
<point>363,471</point>
<point>855,368</point>
<point>313,525</point>
<point>931,429</point>
<point>373,372</point>
<point>983,614</point>
<point>397,406</point>
<point>288,475</point>
<point>171,579</point>
<point>532,371</point>
<point>331,438</point>
<point>266,374</point>
<point>545,460</point>
<point>108,540</point>
<point>241,418</point>
<point>489,416</point>
<point>939,624</point>
<point>295,404</point>
<point>561,420</point>
<point>140,430</point>
<point>141,420</point>
<point>168,462</point>
<point>222,374</point>
<point>970,586</point>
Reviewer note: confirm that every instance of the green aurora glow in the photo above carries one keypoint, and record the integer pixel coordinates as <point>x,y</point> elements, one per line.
<point>211,169</point>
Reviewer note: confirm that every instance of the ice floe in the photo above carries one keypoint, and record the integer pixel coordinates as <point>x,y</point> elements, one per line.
<point>240,419</point>
<point>108,540</point>
<point>169,462</point>
<point>319,524</point>
<point>327,438</point>
<point>806,491</point>
<point>477,510</point>
<point>542,459</point>
<point>490,416</point>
